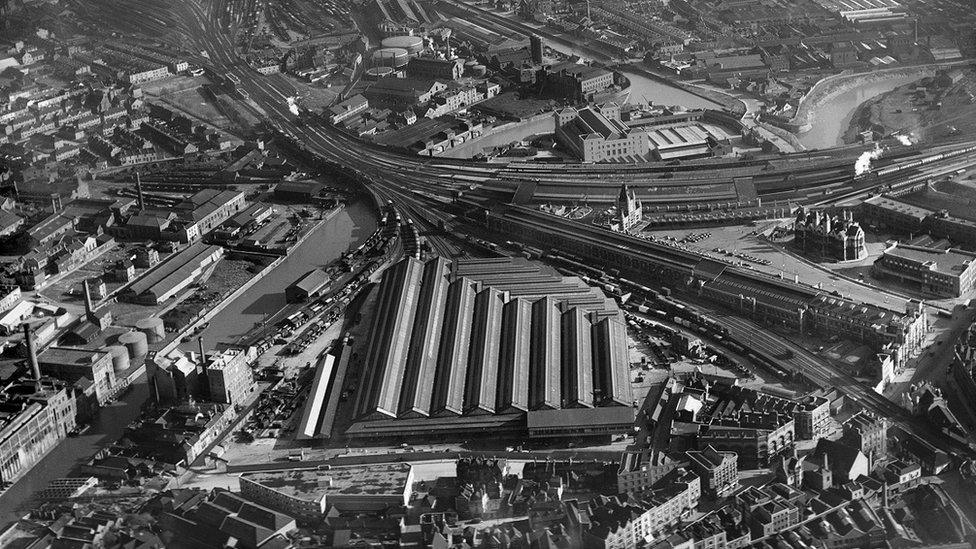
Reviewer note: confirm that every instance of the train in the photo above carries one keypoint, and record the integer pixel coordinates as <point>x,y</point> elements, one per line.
<point>887,170</point>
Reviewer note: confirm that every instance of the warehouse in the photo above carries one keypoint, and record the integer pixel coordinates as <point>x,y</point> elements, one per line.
<point>174,274</point>
<point>679,143</point>
<point>479,345</point>
<point>298,191</point>
<point>206,210</point>
<point>312,284</point>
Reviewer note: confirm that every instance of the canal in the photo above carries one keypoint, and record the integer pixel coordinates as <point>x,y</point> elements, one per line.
<point>348,228</point>
<point>833,116</point>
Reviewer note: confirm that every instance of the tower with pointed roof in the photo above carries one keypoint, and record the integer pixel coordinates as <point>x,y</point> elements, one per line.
<point>629,209</point>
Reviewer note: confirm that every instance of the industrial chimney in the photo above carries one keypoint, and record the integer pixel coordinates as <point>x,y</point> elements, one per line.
<point>203,356</point>
<point>89,306</point>
<point>142,204</point>
<point>32,352</point>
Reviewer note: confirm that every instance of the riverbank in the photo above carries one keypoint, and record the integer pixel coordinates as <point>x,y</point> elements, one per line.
<point>728,102</point>
<point>830,87</point>
<point>927,110</point>
<point>638,92</point>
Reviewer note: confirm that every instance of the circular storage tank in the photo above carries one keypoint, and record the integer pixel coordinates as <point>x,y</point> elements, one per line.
<point>390,57</point>
<point>136,343</point>
<point>412,44</point>
<point>153,328</point>
<point>376,73</point>
<point>120,357</point>
<point>479,70</point>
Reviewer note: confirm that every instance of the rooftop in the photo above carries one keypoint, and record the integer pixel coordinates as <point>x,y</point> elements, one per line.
<point>951,262</point>
<point>70,356</point>
<point>898,206</point>
<point>313,485</point>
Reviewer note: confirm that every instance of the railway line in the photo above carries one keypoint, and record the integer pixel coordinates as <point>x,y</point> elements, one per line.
<point>413,183</point>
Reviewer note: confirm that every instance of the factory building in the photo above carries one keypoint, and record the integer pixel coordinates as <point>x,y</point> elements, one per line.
<point>435,69</point>
<point>596,134</point>
<point>173,275</point>
<point>312,284</point>
<point>229,376</point>
<point>402,93</point>
<point>496,344</point>
<point>576,82</point>
<point>950,273</point>
<point>679,143</point>
<point>904,218</point>
<point>223,376</point>
<point>76,365</point>
<point>34,417</point>
<point>206,210</point>
<point>36,413</point>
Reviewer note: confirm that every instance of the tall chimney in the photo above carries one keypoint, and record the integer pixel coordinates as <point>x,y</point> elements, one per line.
<point>142,204</point>
<point>32,352</point>
<point>89,306</point>
<point>203,356</point>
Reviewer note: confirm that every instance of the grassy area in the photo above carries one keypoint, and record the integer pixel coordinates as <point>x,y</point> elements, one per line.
<point>195,103</point>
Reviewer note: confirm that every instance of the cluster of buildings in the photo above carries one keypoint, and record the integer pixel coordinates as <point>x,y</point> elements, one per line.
<point>698,414</point>
<point>82,104</point>
<point>926,261</point>
<point>598,134</point>
<point>405,88</point>
<point>894,334</point>
<point>220,376</point>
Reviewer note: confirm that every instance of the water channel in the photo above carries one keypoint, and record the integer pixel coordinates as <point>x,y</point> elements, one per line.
<point>348,228</point>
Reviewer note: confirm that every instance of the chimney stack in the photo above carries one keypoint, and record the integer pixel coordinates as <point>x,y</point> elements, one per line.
<point>89,306</point>
<point>32,352</point>
<point>203,356</point>
<point>142,204</point>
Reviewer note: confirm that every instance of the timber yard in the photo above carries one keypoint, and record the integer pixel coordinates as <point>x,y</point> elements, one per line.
<point>508,274</point>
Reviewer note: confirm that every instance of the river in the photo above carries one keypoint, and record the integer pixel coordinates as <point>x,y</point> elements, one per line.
<point>348,228</point>
<point>834,115</point>
<point>644,89</point>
